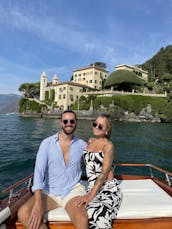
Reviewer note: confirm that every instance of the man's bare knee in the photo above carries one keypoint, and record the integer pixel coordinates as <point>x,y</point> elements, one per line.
<point>23,213</point>
<point>25,210</point>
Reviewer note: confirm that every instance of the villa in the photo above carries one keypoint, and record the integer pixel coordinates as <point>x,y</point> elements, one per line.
<point>85,81</point>
<point>65,93</point>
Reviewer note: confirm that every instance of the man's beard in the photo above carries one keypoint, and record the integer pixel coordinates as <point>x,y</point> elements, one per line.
<point>72,130</point>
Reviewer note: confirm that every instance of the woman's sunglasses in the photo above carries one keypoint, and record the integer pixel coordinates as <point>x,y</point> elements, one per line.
<point>71,121</point>
<point>99,126</point>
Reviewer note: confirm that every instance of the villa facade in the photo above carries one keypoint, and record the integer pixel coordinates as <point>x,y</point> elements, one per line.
<point>85,81</point>
<point>65,93</point>
<point>93,76</point>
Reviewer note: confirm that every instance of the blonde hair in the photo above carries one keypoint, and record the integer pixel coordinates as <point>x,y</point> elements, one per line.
<point>108,120</point>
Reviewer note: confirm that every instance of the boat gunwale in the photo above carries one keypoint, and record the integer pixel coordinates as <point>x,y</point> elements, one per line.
<point>18,183</point>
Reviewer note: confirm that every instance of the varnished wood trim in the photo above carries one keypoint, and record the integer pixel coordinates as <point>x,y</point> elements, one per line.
<point>152,223</point>
<point>17,184</point>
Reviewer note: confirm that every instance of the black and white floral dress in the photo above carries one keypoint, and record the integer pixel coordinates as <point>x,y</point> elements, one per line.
<point>102,210</point>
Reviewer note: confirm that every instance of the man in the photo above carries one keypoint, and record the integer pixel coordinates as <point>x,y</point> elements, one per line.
<point>56,177</point>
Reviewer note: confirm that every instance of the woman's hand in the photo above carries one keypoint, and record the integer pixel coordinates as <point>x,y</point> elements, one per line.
<point>80,200</point>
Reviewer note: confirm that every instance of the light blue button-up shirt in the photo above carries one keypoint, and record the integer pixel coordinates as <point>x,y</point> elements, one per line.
<point>51,173</point>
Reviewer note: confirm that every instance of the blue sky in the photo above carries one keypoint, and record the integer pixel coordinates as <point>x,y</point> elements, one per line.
<point>58,36</point>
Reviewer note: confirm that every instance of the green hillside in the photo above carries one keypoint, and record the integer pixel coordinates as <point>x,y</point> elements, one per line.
<point>159,68</point>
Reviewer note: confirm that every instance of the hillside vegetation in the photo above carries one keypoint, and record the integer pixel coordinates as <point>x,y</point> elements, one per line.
<point>159,68</point>
<point>118,105</point>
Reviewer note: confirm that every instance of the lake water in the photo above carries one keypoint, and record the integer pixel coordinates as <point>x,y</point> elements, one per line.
<point>134,143</point>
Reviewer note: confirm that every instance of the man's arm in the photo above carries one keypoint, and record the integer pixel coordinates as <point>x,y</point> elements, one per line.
<point>40,166</point>
<point>39,173</point>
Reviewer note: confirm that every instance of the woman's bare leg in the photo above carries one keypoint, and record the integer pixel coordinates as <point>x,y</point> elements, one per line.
<point>77,214</point>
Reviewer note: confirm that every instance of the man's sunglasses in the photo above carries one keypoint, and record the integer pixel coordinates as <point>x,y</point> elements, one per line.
<point>99,126</point>
<point>71,121</point>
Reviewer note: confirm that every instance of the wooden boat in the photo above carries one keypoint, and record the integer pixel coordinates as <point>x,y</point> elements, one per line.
<point>146,203</point>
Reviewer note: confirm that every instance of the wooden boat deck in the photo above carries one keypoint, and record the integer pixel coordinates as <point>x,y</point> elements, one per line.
<point>162,223</point>
<point>127,223</point>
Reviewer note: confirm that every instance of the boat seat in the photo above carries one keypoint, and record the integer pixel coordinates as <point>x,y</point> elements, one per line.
<point>141,199</point>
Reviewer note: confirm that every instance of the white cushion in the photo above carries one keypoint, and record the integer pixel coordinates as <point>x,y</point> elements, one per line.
<point>141,199</point>
<point>4,214</point>
<point>57,214</point>
<point>144,199</point>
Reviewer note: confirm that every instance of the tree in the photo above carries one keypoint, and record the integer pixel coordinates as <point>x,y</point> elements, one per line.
<point>99,64</point>
<point>30,90</point>
<point>159,64</point>
<point>52,95</point>
<point>166,78</point>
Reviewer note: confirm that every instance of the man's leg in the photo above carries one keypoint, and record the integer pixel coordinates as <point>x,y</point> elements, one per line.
<point>77,214</point>
<point>25,210</point>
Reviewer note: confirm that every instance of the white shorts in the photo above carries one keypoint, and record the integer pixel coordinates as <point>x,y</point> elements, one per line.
<point>78,190</point>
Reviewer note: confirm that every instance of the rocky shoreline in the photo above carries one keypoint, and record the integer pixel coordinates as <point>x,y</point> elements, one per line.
<point>145,115</point>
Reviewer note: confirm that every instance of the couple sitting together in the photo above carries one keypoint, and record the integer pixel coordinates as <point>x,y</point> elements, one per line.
<point>57,177</point>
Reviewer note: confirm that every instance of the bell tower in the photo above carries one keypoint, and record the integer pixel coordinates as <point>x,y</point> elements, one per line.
<point>43,85</point>
<point>55,80</point>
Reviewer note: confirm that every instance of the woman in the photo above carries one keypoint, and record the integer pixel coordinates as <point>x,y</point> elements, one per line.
<point>103,194</point>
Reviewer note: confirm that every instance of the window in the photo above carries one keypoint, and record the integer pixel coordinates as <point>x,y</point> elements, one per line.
<point>64,96</point>
<point>71,98</point>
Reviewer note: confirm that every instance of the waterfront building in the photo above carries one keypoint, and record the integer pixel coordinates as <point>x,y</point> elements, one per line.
<point>93,76</point>
<point>85,81</point>
<point>63,94</point>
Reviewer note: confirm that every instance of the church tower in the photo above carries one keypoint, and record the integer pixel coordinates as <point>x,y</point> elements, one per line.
<point>55,80</point>
<point>43,85</point>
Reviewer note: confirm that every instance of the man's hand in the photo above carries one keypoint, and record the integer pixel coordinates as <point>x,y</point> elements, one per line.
<point>36,216</point>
